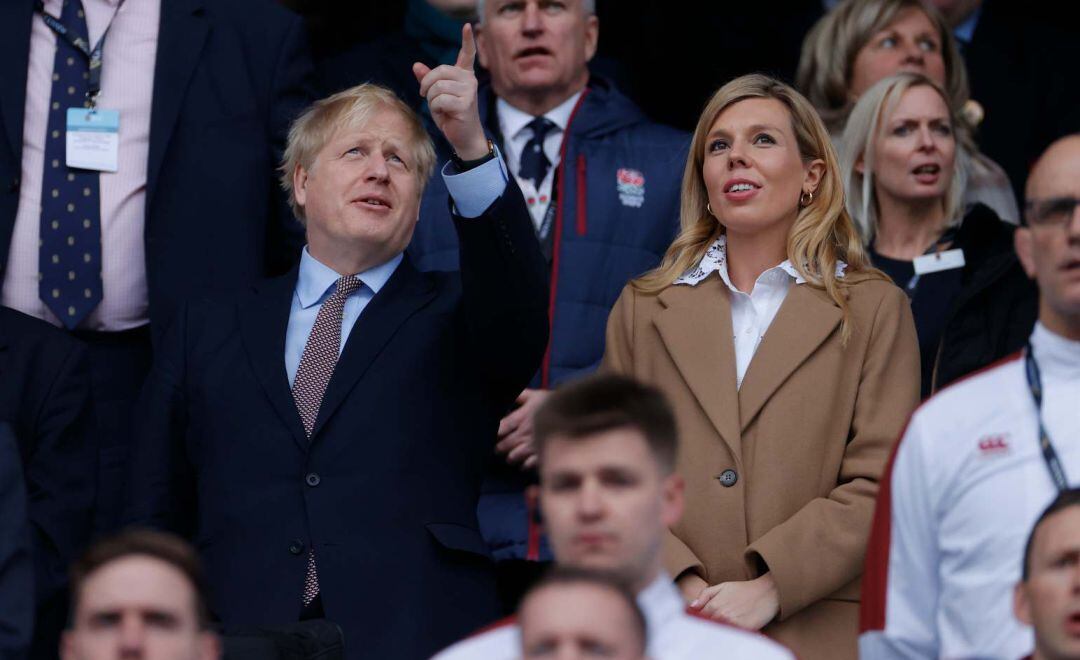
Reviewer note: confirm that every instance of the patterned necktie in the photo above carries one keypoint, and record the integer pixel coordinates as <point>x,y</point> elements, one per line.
<point>69,256</point>
<point>312,376</point>
<point>534,162</point>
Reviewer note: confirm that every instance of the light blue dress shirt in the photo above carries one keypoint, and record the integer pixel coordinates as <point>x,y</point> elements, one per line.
<point>472,192</point>
<point>314,285</point>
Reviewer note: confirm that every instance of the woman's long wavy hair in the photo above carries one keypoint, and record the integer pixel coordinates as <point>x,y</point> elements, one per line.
<point>823,233</point>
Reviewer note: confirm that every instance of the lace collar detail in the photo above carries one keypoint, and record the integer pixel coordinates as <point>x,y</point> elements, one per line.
<point>715,261</point>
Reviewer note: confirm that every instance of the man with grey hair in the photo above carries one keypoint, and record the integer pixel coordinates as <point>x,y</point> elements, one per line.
<point>321,435</point>
<point>602,186</point>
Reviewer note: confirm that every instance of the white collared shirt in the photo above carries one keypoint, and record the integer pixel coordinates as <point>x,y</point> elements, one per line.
<point>672,634</point>
<point>513,124</point>
<point>751,313</point>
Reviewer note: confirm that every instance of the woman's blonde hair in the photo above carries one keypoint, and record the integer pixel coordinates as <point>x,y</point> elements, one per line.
<point>830,47</point>
<point>866,124</point>
<point>823,233</point>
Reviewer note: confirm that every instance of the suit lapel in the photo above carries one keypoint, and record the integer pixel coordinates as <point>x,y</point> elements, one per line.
<point>695,327</point>
<point>805,320</point>
<point>264,319</point>
<point>181,37</point>
<point>405,293</point>
<point>16,16</point>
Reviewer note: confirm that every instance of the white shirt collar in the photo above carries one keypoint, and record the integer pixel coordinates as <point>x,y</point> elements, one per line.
<point>715,260</point>
<point>660,603</point>
<point>1055,355</point>
<point>512,121</point>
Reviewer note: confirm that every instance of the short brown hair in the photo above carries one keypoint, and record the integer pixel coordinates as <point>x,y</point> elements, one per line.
<point>1066,499</point>
<point>560,575</point>
<point>351,107</point>
<point>605,402</point>
<point>168,548</point>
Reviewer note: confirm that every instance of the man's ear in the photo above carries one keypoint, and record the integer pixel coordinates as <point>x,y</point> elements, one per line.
<point>480,37</point>
<point>674,499</point>
<point>299,184</point>
<point>1023,243</point>
<point>67,650</point>
<point>1021,604</point>
<point>860,166</point>
<point>592,36</point>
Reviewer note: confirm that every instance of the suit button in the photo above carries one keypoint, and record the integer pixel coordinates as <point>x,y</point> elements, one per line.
<point>728,478</point>
<point>312,479</point>
<point>296,547</point>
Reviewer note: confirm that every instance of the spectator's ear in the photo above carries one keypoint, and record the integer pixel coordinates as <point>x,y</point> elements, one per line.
<point>592,35</point>
<point>66,650</point>
<point>299,182</point>
<point>674,499</point>
<point>209,646</point>
<point>1021,604</point>
<point>1022,242</point>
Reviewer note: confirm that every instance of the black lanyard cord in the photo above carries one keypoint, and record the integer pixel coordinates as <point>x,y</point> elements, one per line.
<point>1050,455</point>
<point>93,82</point>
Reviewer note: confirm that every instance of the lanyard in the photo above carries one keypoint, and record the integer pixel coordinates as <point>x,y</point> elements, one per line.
<point>939,244</point>
<point>94,56</point>
<point>1053,463</point>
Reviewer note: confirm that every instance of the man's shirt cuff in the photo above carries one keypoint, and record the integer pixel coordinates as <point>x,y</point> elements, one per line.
<point>475,190</point>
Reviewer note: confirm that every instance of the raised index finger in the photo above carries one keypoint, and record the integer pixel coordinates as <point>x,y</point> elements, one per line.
<point>467,55</point>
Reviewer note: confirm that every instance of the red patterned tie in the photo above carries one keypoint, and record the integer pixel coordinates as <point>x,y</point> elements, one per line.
<point>312,376</point>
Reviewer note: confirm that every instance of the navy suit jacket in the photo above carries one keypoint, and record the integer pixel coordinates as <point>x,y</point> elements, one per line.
<point>16,569</point>
<point>229,78</point>
<point>45,398</point>
<point>385,492</point>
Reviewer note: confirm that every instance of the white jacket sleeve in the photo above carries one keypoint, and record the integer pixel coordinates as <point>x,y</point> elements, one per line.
<point>901,581</point>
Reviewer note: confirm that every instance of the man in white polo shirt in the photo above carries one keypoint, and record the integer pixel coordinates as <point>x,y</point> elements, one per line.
<point>609,492</point>
<point>980,461</point>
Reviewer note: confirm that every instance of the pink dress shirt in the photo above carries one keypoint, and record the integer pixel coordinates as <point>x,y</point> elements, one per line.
<point>126,85</point>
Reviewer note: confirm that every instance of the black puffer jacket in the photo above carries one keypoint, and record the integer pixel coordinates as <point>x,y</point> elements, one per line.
<point>996,308</point>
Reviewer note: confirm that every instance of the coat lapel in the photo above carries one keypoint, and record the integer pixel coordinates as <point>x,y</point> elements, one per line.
<point>805,320</point>
<point>181,37</point>
<point>695,327</point>
<point>264,319</point>
<point>15,16</point>
<point>405,293</point>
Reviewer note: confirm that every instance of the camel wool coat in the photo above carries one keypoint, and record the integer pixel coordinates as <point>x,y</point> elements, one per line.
<point>781,474</point>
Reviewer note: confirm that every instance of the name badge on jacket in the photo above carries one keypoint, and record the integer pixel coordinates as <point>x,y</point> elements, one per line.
<point>939,261</point>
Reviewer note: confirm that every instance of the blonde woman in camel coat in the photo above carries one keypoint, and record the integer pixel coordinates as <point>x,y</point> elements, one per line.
<point>788,399</point>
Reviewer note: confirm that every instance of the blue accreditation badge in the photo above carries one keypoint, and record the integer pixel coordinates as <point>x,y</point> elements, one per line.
<point>93,139</point>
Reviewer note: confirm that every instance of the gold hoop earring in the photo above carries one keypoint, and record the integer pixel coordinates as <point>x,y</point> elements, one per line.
<point>807,198</point>
<point>709,207</point>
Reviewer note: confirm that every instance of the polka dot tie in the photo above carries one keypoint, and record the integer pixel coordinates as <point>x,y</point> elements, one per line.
<point>69,256</point>
<point>534,162</point>
<point>312,376</point>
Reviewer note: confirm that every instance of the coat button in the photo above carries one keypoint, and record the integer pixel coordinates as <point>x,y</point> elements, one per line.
<point>312,479</point>
<point>296,547</point>
<point>728,478</point>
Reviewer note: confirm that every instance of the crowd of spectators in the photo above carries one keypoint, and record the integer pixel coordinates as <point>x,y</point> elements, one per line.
<point>539,328</point>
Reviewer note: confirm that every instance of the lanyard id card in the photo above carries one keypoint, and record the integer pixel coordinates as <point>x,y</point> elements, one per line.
<point>93,139</point>
<point>935,262</point>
